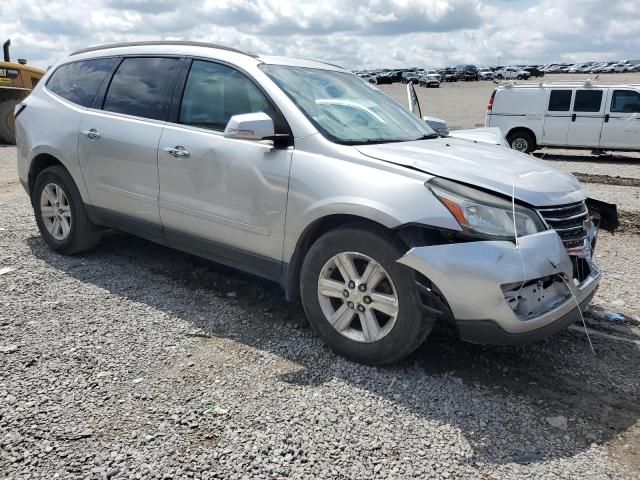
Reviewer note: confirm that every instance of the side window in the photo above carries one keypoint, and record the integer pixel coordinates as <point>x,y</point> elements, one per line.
<point>78,82</point>
<point>587,101</point>
<point>625,101</point>
<point>560,100</point>
<point>214,93</point>
<point>142,86</point>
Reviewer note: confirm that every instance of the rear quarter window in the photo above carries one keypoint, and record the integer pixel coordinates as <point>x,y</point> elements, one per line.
<point>78,82</point>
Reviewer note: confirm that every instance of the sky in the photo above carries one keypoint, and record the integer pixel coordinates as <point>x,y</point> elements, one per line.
<point>354,34</point>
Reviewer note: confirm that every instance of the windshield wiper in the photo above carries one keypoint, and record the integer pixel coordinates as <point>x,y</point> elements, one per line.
<point>429,136</point>
<point>372,141</point>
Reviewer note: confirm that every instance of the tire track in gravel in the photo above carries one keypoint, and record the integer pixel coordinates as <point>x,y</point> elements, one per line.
<point>607,179</point>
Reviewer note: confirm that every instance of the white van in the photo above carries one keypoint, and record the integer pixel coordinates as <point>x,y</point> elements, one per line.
<point>567,115</point>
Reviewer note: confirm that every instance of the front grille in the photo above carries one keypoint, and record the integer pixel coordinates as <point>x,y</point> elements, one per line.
<point>569,222</point>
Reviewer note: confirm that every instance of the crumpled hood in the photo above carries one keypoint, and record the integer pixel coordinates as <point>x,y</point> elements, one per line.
<point>491,167</point>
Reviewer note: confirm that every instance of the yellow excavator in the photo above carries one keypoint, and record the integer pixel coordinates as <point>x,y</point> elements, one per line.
<point>16,82</point>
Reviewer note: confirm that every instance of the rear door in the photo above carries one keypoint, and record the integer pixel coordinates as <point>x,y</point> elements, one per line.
<point>557,117</point>
<point>621,127</point>
<point>118,145</point>
<point>587,117</point>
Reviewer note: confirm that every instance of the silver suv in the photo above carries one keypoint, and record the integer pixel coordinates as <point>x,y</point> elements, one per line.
<point>303,173</point>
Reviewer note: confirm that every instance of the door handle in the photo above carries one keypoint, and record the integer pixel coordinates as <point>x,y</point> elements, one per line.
<point>178,151</point>
<point>606,118</point>
<point>91,133</point>
<point>573,117</point>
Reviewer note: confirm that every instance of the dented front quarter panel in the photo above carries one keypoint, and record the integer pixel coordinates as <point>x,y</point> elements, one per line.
<point>470,276</point>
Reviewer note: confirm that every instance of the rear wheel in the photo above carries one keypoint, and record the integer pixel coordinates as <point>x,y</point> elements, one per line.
<point>61,214</point>
<point>522,141</point>
<point>7,122</point>
<point>359,300</point>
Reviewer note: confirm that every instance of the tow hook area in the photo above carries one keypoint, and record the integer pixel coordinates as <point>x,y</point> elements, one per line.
<point>536,297</point>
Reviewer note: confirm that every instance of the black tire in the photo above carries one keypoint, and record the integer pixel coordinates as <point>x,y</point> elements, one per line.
<point>499,76</point>
<point>412,325</point>
<point>7,125</point>
<point>83,234</point>
<point>522,141</point>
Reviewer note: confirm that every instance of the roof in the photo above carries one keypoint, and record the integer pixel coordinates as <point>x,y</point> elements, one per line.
<point>180,47</point>
<point>568,84</point>
<point>21,67</point>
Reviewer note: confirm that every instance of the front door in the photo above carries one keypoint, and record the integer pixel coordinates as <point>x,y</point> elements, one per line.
<point>557,117</point>
<point>587,117</point>
<point>223,198</point>
<point>118,145</point>
<point>621,128</point>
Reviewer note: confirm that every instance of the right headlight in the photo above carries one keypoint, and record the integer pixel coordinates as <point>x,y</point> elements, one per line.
<point>481,213</point>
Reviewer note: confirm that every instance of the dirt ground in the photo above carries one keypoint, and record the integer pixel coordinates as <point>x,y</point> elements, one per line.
<point>602,392</point>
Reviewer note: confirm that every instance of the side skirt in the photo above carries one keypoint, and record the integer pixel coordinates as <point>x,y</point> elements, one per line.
<point>264,267</point>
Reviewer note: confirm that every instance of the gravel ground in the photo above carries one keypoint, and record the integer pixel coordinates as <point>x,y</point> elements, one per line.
<point>136,361</point>
<point>620,164</point>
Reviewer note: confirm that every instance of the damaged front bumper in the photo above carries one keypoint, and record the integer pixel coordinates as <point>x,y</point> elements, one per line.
<point>502,294</point>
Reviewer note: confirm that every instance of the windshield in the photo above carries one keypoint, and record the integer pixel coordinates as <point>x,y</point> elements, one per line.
<point>346,109</point>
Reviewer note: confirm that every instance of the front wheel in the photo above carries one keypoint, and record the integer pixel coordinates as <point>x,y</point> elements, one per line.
<point>359,299</point>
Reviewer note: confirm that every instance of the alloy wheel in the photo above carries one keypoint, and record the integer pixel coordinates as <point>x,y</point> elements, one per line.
<point>55,211</point>
<point>358,297</point>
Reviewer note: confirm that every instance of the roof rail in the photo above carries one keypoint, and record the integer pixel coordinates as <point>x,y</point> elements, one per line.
<point>161,42</point>
<point>512,83</point>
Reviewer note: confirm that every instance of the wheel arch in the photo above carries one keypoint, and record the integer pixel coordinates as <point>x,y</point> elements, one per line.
<point>39,163</point>
<point>313,232</point>
<point>522,129</point>
<point>44,159</point>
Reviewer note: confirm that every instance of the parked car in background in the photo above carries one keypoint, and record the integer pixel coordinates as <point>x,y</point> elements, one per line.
<point>411,76</point>
<point>216,148</point>
<point>430,78</point>
<point>467,72</point>
<point>534,71</point>
<point>579,67</point>
<point>575,115</point>
<point>511,73</point>
<point>615,68</point>
<point>485,74</point>
<point>369,77</point>
<point>449,74</point>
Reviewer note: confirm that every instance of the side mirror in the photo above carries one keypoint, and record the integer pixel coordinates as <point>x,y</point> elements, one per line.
<point>250,126</point>
<point>438,125</point>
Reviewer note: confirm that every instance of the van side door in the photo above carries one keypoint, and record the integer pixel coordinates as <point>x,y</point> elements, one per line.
<point>223,198</point>
<point>557,117</point>
<point>621,128</point>
<point>587,117</point>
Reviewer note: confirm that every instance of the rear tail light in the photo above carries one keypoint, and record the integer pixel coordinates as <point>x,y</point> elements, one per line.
<point>490,104</point>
